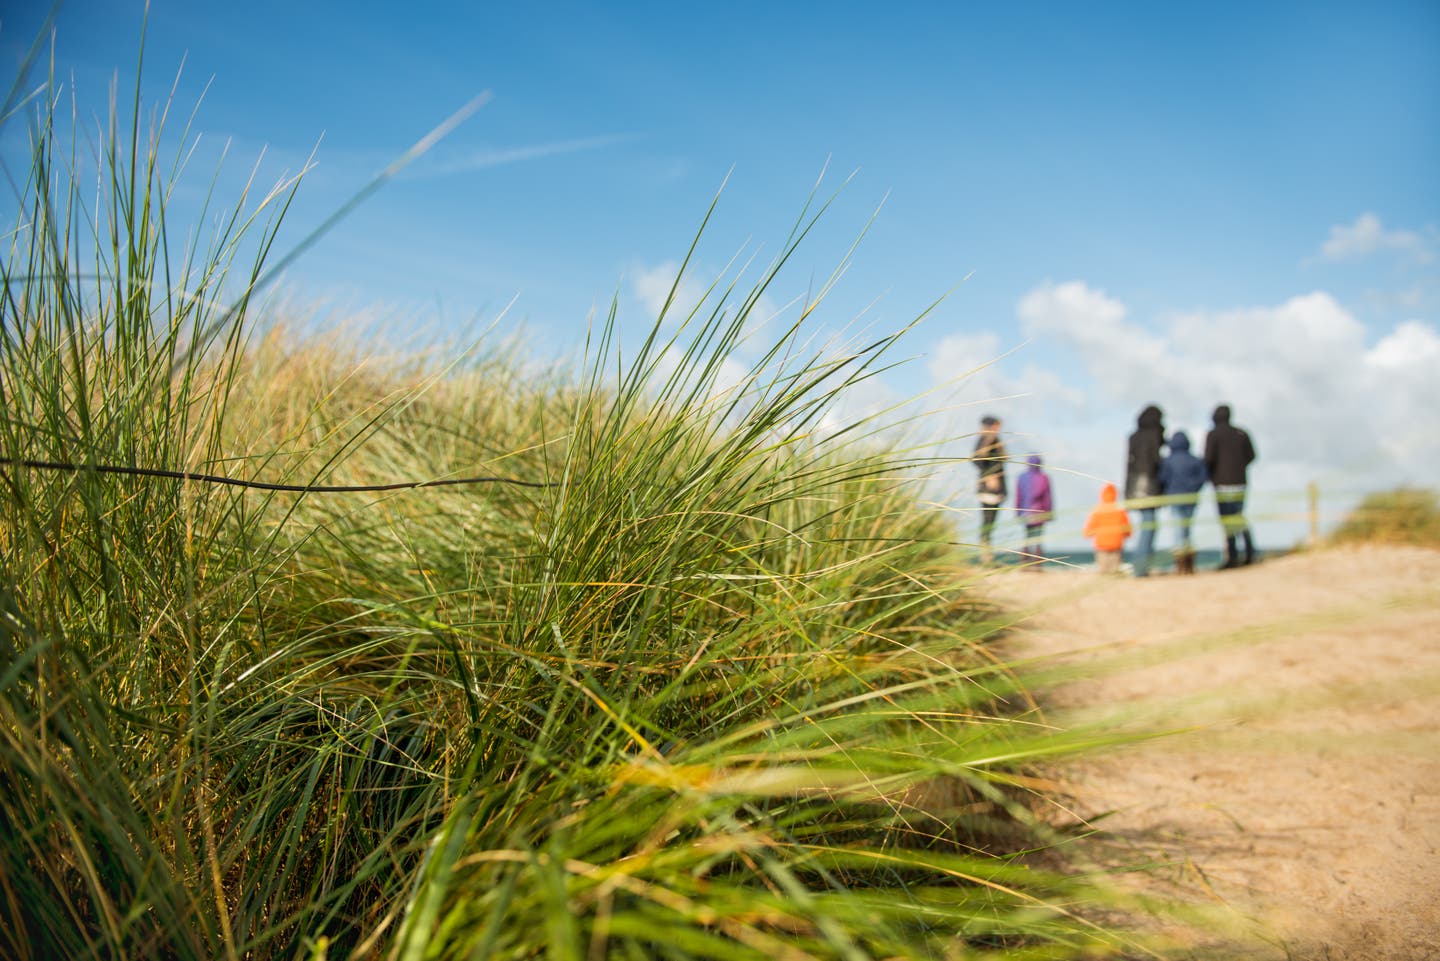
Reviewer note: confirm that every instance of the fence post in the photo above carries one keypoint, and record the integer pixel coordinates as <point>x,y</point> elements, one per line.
<point>1313,490</point>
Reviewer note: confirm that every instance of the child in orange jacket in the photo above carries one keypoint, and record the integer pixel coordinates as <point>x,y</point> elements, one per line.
<point>1108,526</point>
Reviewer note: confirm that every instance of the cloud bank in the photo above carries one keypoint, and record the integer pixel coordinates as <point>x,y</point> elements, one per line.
<point>1319,393</point>
<point>1367,236</point>
<point>1326,398</point>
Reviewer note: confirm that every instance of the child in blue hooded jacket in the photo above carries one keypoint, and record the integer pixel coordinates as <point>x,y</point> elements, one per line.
<point>1181,477</point>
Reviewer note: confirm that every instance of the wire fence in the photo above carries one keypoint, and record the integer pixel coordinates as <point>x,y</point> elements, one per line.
<point>1281,520</point>
<point>227,481</point>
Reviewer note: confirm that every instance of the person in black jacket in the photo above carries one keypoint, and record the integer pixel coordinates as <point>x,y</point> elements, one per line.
<point>1228,453</point>
<point>1142,480</point>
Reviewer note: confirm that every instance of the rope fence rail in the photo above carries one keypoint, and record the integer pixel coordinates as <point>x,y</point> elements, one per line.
<point>1298,510</point>
<point>1284,519</point>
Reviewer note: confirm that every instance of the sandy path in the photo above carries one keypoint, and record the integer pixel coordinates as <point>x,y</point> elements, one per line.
<point>1306,810</point>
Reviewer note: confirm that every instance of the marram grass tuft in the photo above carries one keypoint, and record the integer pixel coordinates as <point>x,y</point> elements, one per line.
<point>718,690</point>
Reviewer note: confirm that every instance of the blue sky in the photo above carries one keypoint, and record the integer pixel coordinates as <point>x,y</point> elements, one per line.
<point>1183,204</point>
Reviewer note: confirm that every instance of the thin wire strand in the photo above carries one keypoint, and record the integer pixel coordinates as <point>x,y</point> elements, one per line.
<point>265,485</point>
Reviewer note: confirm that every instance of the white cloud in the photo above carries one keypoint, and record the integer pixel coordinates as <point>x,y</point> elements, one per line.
<point>1320,394</point>
<point>1367,236</point>
<point>1401,368</point>
<point>652,285</point>
<point>1412,347</point>
<point>967,361</point>
<point>744,369</point>
<point>730,379</point>
<point>1125,360</point>
<point>1073,306</point>
<point>868,408</point>
<point>973,379</point>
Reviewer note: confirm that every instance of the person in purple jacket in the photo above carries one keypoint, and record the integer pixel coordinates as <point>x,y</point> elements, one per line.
<point>1034,505</point>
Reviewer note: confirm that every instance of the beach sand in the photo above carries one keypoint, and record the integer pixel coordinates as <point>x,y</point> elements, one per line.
<point>1303,809</point>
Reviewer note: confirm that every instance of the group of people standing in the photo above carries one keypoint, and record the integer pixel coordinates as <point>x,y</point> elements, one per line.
<point>1159,472</point>
<point>1033,500</point>
<point>1155,478</point>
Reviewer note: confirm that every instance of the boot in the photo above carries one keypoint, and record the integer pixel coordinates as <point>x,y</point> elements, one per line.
<point>1249,547</point>
<point>1185,562</point>
<point>1232,558</point>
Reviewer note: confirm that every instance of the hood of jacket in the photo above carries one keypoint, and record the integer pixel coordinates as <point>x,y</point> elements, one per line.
<point>1107,494</point>
<point>1150,418</point>
<point>1222,416</point>
<point>1034,461</point>
<point>1180,443</point>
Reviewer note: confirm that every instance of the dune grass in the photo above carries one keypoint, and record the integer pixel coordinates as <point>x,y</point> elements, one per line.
<point>1405,515</point>
<point>719,688</point>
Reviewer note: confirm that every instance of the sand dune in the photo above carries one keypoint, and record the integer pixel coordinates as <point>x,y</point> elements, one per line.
<point>1305,806</point>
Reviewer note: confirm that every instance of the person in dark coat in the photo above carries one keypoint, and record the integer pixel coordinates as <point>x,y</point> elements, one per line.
<point>1228,454</point>
<point>1142,480</point>
<point>989,459</point>
<point>1182,475</point>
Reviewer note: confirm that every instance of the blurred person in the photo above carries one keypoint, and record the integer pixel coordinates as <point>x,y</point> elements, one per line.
<point>989,459</point>
<point>1034,505</point>
<point>1182,476</point>
<point>1229,452</point>
<point>1142,480</point>
<point>1107,526</point>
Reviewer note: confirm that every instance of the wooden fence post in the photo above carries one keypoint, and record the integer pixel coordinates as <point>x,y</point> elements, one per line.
<point>1313,490</point>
